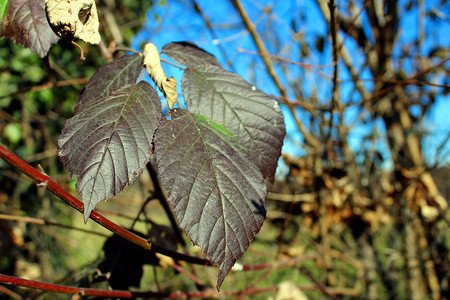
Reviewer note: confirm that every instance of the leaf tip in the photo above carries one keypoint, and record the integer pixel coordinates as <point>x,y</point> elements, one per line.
<point>87,212</point>
<point>221,278</point>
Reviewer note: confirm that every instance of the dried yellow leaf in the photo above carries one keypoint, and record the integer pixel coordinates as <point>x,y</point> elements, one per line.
<point>153,64</point>
<point>74,19</point>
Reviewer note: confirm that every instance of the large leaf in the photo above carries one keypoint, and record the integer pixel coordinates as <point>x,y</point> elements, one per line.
<point>216,192</point>
<point>189,54</point>
<point>107,143</point>
<point>251,115</point>
<point>25,23</point>
<point>109,77</point>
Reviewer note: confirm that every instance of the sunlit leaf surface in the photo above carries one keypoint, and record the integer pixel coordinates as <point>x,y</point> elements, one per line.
<point>216,191</point>
<point>251,115</point>
<point>107,143</point>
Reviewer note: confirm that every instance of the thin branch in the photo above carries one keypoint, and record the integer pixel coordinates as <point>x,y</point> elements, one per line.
<point>171,63</point>
<point>10,293</point>
<point>352,23</point>
<point>271,70</point>
<point>97,292</point>
<point>253,285</point>
<point>126,49</point>
<point>319,285</point>
<point>409,81</point>
<point>210,28</point>
<point>304,197</point>
<point>431,68</point>
<point>159,194</point>
<point>260,45</point>
<point>286,60</point>
<point>440,148</point>
<point>45,222</point>
<point>209,293</point>
<point>333,33</point>
<point>47,85</point>
<point>335,90</point>
<point>193,277</point>
<point>117,214</point>
<point>276,264</point>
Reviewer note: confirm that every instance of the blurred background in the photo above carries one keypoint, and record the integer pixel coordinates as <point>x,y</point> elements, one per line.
<point>359,209</point>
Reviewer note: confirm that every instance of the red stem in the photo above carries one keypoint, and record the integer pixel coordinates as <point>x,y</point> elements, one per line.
<point>53,187</point>
<point>96,292</point>
<point>209,293</point>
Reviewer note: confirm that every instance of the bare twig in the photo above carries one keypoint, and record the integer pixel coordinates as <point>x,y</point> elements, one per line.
<point>171,63</point>
<point>211,30</point>
<point>193,277</point>
<point>271,70</point>
<point>46,222</point>
<point>10,293</point>
<point>253,285</point>
<point>288,61</point>
<point>333,33</point>
<point>335,103</point>
<point>319,285</point>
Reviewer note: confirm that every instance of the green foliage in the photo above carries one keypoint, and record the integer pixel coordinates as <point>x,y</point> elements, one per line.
<point>13,133</point>
<point>3,8</point>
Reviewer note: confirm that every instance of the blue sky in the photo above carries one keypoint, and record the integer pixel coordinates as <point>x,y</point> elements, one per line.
<point>176,21</point>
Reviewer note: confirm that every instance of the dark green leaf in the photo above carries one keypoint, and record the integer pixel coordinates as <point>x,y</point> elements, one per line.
<point>107,143</point>
<point>189,54</point>
<point>25,23</point>
<point>251,115</point>
<point>216,192</point>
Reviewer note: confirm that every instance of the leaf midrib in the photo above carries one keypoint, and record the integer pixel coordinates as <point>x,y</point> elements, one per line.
<point>109,141</point>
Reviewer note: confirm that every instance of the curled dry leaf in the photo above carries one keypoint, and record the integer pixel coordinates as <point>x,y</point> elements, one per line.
<point>153,64</point>
<point>74,19</point>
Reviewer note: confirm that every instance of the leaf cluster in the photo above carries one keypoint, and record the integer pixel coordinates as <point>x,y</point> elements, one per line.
<point>212,157</point>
